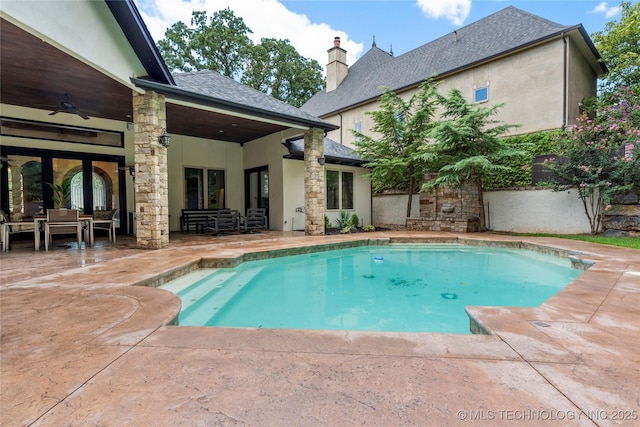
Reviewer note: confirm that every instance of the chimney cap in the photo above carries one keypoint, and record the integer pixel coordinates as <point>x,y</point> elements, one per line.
<point>336,41</point>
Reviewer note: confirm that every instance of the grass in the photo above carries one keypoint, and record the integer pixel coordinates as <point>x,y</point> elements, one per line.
<point>624,242</point>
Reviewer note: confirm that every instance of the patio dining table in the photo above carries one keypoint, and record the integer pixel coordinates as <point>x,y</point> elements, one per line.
<point>41,219</point>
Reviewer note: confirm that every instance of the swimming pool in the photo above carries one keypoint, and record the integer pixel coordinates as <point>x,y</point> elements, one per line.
<point>396,287</point>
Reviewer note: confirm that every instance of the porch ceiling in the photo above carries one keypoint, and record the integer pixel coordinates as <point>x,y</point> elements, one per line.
<point>36,74</point>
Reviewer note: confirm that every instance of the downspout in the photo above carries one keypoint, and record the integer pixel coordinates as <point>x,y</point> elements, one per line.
<point>564,84</point>
<point>340,114</point>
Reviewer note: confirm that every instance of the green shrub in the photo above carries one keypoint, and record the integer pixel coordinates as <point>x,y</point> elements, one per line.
<point>344,220</point>
<point>327,222</point>
<point>345,230</point>
<point>532,144</point>
<point>355,221</point>
<point>369,227</point>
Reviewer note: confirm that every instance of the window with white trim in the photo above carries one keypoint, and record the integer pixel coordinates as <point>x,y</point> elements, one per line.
<point>481,94</point>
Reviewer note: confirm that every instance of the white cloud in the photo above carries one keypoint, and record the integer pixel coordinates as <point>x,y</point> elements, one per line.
<point>266,18</point>
<point>609,11</point>
<point>456,11</point>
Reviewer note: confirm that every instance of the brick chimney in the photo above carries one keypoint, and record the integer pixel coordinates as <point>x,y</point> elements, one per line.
<point>337,67</point>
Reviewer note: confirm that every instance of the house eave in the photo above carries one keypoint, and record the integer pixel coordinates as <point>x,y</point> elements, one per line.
<point>136,32</point>
<point>175,92</point>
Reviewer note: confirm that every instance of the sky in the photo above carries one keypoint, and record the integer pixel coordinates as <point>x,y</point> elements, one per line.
<point>397,25</point>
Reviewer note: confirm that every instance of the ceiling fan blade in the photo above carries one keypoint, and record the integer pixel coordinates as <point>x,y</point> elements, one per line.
<point>80,113</point>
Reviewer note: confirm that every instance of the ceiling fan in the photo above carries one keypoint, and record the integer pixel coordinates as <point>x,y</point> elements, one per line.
<point>67,107</point>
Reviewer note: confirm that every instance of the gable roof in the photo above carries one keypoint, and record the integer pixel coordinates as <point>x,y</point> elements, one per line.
<point>505,31</point>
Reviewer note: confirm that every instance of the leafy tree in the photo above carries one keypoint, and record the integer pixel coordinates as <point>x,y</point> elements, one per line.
<point>276,68</point>
<point>395,157</point>
<point>222,44</point>
<point>601,156</point>
<point>465,147</point>
<point>619,46</point>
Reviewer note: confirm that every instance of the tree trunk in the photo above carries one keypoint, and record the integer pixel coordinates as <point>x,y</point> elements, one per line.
<point>483,223</point>
<point>410,202</point>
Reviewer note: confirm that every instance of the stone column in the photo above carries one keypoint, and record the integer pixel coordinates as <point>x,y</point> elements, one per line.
<point>151,184</point>
<point>314,191</point>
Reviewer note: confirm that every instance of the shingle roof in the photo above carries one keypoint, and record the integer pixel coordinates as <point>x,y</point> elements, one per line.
<point>504,31</point>
<point>334,152</point>
<point>217,86</point>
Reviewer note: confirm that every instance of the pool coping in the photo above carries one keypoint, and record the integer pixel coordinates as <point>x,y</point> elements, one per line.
<point>112,356</point>
<point>579,260</point>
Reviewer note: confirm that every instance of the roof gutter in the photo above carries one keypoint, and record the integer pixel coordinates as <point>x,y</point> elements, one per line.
<point>565,76</point>
<point>175,92</point>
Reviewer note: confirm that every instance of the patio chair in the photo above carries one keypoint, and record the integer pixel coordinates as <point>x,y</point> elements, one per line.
<point>106,220</point>
<point>7,228</point>
<point>62,221</point>
<point>256,218</point>
<point>222,221</point>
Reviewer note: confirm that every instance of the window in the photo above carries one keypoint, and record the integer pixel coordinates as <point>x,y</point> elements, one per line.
<point>358,129</point>
<point>339,190</point>
<point>194,184</point>
<point>481,94</point>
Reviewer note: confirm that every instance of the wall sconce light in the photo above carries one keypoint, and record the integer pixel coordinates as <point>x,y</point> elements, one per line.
<point>131,169</point>
<point>321,160</point>
<point>164,139</point>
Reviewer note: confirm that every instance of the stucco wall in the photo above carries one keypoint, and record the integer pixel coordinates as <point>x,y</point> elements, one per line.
<point>392,208</point>
<point>294,194</point>
<point>189,152</point>
<point>529,83</point>
<point>524,211</point>
<point>535,211</point>
<point>582,84</point>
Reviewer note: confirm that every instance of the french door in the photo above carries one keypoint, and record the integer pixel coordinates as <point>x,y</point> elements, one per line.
<point>256,188</point>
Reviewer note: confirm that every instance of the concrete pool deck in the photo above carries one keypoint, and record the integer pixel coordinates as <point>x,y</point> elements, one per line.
<point>81,346</point>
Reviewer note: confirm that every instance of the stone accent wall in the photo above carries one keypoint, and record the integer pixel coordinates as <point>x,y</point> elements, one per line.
<point>151,188</point>
<point>448,209</point>
<point>623,219</point>
<point>313,182</point>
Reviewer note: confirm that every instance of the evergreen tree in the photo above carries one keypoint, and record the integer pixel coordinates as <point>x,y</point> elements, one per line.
<point>465,146</point>
<point>402,127</point>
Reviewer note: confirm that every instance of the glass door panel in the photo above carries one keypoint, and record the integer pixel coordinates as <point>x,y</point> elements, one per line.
<point>25,187</point>
<point>106,187</point>
<point>68,174</point>
<point>215,186</point>
<point>194,185</point>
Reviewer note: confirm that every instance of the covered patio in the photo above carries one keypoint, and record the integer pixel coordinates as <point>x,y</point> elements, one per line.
<point>83,345</point>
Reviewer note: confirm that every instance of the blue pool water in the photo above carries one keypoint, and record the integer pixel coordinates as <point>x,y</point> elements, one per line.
<point>401,288</point>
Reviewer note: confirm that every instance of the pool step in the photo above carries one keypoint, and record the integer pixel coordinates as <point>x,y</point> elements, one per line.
<point>183,282</point>
<point>212,293</point>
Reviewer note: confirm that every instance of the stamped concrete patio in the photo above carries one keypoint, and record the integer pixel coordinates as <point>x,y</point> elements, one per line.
<point>81,345</point>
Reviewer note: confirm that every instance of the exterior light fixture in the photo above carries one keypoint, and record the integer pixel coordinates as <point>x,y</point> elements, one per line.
<point>321,160</point>
<point>164,139</point>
